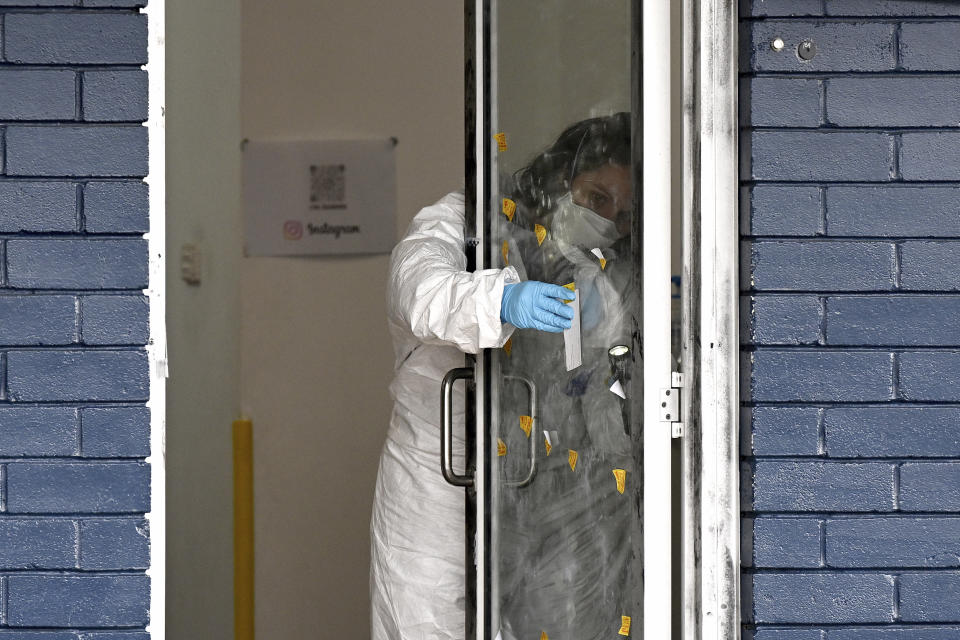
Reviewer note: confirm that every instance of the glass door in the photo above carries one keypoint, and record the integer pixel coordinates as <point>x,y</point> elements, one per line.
<point>559,497</point>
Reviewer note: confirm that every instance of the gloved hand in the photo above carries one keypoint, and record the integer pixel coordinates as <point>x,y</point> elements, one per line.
<point>536,305</point>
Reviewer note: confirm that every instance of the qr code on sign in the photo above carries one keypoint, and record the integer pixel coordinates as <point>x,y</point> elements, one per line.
<point>328,186</point>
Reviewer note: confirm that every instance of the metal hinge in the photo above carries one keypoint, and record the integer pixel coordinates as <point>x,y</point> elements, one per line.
<point>670,405</point>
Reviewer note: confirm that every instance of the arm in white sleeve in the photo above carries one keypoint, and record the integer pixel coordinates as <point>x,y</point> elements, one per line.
<point>431,293</point>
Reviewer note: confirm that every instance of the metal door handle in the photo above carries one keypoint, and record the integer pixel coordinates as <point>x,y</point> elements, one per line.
<point>532,391</point>
<point>446,427</point>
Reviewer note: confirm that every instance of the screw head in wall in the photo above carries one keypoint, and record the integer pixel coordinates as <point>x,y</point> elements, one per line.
<point>777,44</point>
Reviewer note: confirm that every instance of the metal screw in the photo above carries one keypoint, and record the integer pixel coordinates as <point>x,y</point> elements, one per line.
<point>807,50</point>
<point>777,44</point>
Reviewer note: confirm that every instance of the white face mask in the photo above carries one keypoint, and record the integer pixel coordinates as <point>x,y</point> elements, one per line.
<point>581,227</point>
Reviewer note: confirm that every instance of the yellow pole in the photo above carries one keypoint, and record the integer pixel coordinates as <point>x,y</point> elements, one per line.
<point>243,530</point>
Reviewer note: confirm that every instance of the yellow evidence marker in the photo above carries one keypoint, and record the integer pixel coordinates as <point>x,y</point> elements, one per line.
<point>543,635</point>
<point>501,139</point>
<point>526,423</point>
<point>509,208</point>
<point>505,250</point>
<point>541,232</point>
<point>572,459</point>
<point>508,346</point>
<point>624,625</point>
<point>501,448</point>
<point>621,476</point>
<point>546,442</point>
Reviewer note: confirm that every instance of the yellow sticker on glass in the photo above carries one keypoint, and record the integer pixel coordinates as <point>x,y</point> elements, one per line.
<point>501,139</point>
<point>541,232</point>
<point>572,459</point>
<point>603,263</point>
<point>509,208</point>
<point>526,423</point>
<point>508,346</point>
<point>546,442</point>
<point>505,250</point>
<point>621,476</point>
<point>501,448</point>
<point>543,635</point>
<point>624,625</point>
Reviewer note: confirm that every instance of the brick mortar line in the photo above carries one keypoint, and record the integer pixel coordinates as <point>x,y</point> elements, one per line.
<point>893,571</point>
<point>897,461</point>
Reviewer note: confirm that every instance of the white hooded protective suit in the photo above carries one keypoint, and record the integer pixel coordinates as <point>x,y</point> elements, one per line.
<point>437,312</point>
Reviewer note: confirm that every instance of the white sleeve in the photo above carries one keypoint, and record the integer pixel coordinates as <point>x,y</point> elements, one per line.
<point>431,293</point>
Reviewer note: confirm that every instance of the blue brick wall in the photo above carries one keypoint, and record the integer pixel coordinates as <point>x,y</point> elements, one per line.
<point>850,312</point>
<point>74,372</point>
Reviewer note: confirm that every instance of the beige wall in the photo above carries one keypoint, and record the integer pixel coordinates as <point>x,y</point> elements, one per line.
<point>316,355</point>
<point>203,393</point>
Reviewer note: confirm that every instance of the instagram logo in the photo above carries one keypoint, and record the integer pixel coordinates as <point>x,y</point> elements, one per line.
<point>292,230</point>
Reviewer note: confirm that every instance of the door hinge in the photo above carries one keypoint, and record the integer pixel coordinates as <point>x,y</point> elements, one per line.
<point>670,405</point>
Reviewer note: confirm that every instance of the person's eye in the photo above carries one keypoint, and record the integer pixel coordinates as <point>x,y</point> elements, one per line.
<point>598,200</point>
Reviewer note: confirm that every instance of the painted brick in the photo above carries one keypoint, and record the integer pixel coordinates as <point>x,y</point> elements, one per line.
<point>114,544</point>
<point>895,633</point>
<point>893,211</point>
<point>115,320</point>
<point>784,320</point>
<point>926,155</point>
<point>77,375</point>
<point>821,376</point>
<point>930,486</point>
<point>37,544</point>
<point>115,95</point>
<point>787,634</point>
<point>816,155</point>
<point>823,598</point>
<point>930,597</point>
<point>77,264</point>
<point>893,320</point>
<point>114,3</point>
<point>38,431</point>
<point>38,635</point>
<point>930,46</point>
<point>785,431</point>
<point>822,266</point>
<point>78,601</point>
<point>780,102</point>
<point>874,432</point>
<point>39,3</point>
<point>893,542</point>
<point>128,635</point>
<point>76,38</point>
<point>116,432</point>
<point>37,94</point>
<point>841,46</point>
<point>781,211</point>
<point>786,542</point>
<point>930,375</point>
<point>930,266</point>
<point>763,8</point>
<point>893,102</point>
<point>78,487</point>
<point>77,151</point>
<point>37,206</point>
<point>892,8</point>
<point>822,486</point>
<point>116,207</point>
<point>38,320</point>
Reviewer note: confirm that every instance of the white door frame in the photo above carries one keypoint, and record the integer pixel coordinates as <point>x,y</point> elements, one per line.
<point>711,503</point>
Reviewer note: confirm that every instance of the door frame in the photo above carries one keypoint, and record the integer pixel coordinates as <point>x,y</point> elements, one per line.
<point>711,342</point>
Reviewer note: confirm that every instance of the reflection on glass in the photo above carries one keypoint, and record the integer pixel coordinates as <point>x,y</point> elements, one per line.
<point>566,511</point>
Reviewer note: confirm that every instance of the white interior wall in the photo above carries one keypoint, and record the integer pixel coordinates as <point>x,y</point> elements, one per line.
<point>203,198</point>
<point>317,358</point>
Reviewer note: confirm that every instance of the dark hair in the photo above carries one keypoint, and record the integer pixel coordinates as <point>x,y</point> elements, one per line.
<point>584,146</point>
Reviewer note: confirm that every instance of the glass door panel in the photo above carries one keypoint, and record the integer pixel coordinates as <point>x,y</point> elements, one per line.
<point>563,430</point>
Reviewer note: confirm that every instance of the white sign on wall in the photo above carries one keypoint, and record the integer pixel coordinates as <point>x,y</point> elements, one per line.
<point>323,197</point>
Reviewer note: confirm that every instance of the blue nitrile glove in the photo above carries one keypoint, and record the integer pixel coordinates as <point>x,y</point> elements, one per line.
<point>536,305</point>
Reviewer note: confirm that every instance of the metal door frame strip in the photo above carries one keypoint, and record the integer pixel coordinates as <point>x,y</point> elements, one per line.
<point>711,523</point>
